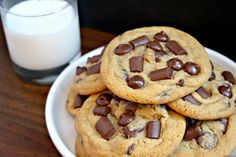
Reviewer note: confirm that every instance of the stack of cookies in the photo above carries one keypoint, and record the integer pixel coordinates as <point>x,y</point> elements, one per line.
<point>153,92</point>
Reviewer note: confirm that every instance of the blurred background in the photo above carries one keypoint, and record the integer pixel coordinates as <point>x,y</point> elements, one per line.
<point>212,22</point>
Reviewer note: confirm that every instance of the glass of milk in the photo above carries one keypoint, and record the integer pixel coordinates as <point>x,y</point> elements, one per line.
<point>43,36</point>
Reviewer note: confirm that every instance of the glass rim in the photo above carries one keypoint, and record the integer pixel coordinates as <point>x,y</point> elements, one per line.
<point>53,11</point>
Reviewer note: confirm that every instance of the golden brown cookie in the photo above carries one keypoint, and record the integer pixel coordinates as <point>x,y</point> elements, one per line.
<point>79,148</point>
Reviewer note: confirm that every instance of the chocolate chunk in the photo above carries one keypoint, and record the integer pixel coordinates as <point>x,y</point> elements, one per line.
<point>125,119</point>
<point>105,128</point>
<point>191,68</point>
<point>136,82</point>
<point>175,64</point>
<point>192,132</point>
<point>131,107</point>
<point>180,83</point>
<point>130,149</point>
<point>129,134</point>
<point>142,40</point>
<point>226,91</point>
<point>158,55</point>
<point>174,47</point>
<point>123,49</point>
<point>80,70</point>
<point>101,110</point>
<point>207,140</point>
<point>104,99</point>
<point>213,76</point>
<point>161,36</point>
<point>224,121</point>
<point>136,64</point>
<point>155,45</point>
<point>94,59</point>
<point>79,101</point>
<point>203,93</point>
<point>228,76</point>
<point>153,129</point>
<point>191,99</point>
<point>94,69</point>
<point>161,74</point>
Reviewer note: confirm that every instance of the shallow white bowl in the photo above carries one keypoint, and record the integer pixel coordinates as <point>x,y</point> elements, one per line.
<point>60,123</point>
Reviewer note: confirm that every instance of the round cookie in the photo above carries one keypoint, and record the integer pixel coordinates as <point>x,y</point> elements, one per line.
<point>79,148</point>
<point>113,127</point>
<point>213,100</point>
<point>154,65</point>
<point>208,138</point>
<point>88,79</point>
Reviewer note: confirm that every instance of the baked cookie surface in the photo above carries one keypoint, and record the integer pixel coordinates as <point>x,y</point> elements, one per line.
<point>213,100</point>
<point>154,65</point>
<point>112,127</point>
<point>79,148</point>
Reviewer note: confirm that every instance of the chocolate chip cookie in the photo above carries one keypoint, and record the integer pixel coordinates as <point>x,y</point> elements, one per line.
<point>213,100</point>
<point>208,138</point>
<point>154,65</point>
<point>79,148</point>
<point>111,126</point>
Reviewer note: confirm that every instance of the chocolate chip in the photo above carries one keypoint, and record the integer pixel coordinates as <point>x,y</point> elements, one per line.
<point>125,119</point>
<point>80,70</point>
<point>192,132</point>
<point>224,121</point>
<point>131,107</point>
<point>105,128</point>
<point>203,93</point>
<point>228,76</point>
<point>191,99</point>
<point>158,54</point>
<point>153,129</point>
<point>174,47</point>
<point>136,82</point>
<point>175,64</point>
<point>129,134</point>
<point>226,91</point>
<point>161,36</point>
<point>101,110</point>
<point>104,99</point>
<point>155,45</point>
<point>180,83</point>
<point>130,149</point>
<point>123,49</point>
<point>94,69</point>
<point>161,74</point>
<point>142,40</point>
<point>94,59</point>
<point>136,64</point>
<point>207,140</point>
<point>79,101</point>
<point>191,68</point>
<point>213,76</point>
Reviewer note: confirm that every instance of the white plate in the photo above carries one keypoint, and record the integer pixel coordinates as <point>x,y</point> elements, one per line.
<point>60,123</point>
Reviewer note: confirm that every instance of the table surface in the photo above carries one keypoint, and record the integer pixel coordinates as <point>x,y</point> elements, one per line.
<point>23,131</point>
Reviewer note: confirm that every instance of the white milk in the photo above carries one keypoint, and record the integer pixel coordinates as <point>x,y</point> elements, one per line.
<point>42,42</point>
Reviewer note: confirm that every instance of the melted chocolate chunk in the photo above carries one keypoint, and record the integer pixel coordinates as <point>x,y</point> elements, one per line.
<point>155,45</point>
<point>153,129</point>
<point>80,70</point>
<point>191,99</point>
<point>101,110</point>
<point>213,76</point>
<point>161,74</point>
<point>142,40</point>
<point>203,93</point>
<point>136,64</point>
<point>129,134</point>
<point>136,82</point>
<point>105,128</point>
<point>130,149</point>
<point>226,91</point>
<point>131,107</point>
<point>94,69</point>
<point>174,47</point>
<point>191,68</point>
<point>104,99</point>
<point>125,119</point>
<point>192,132</point>
<point>175,64</point>
<point>180,83</point>
<point>228,76</point>
<point>161,36</point>
<point>123,49</point>
<point>158,54</point>
<point>79,101</point>
<point>94,59</point>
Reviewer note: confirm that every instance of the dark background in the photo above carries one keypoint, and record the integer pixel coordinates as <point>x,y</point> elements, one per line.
<point>212,22</point>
